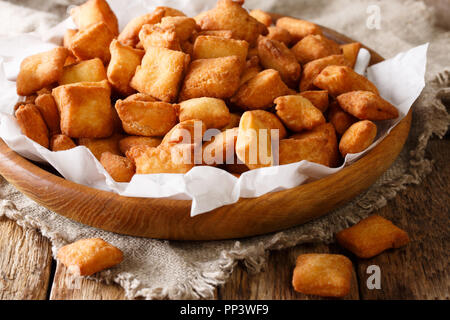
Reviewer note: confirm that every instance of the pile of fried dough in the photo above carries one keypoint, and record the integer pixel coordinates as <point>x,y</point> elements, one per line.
<point>130,97</point>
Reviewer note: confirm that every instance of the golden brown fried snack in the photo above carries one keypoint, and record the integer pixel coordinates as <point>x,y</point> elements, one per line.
<point>275,55</point>
<point>88,256</point>
<point>280,34</point>
<point>371,236</point>
<point>262,17</point>
<point>165,159</point>
<point>40,70</point>
<point>350,52</point>
<point>93,42</point>
<point>171,12</point>
<point>340,119</point>
<point>99,146</point>
<point>338,80</point>
<point>160,73</point>
<point>85,109</point>
<point>358,137</point>
<point>327,275</point>
<point>298,28</point>
<point>93,12</point>
<point>312,69</point>
<point>140,97</point>
<point>367,105</point>
<point>61,142</point>
<point>71,59</point>
<point>213,112</point>
<point>216,78</point>
<point>314,47</point>
<point>229,15</point>
<point>130,34</point>
<point>47,107</point>
<point>298,113</point>
<point>142,118</point>
<point>28,100</point>
<point>119,168</point>
<point>220,149</point>
<point>122,67</point>
<point>234,121</point>
<point>227,34</point>
<point>184,26</point>
<point>129,142</point>
<point>68,37</point>
<point>32,124</point>
<point>260,91</point>
<point>186,132</point>
<point>254,142</point>
<point>206,47</point>
<point>324,137</point>
<point>158,36</point>
<point>85,71</point>
<point>252,68</point>
<point>318,98</point>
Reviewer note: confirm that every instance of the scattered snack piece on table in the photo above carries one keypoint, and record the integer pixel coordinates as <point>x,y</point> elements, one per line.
<point>371,236</point>
<point>367,105</point>
<point>88,256</point>
<point>358,137</point>
<point>326,275</point>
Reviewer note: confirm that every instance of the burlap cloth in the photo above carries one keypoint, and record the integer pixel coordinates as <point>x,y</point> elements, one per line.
<point>156,269</point>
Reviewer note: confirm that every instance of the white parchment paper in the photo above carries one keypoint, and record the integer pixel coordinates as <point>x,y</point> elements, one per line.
<point>400,80</point>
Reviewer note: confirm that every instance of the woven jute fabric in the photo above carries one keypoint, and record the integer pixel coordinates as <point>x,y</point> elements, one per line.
<point>155,269</point>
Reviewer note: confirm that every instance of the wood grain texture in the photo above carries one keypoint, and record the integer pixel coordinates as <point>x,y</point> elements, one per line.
<point>25,263</point>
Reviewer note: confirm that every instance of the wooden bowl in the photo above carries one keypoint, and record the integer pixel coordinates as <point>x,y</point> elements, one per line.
<point>170,219</point>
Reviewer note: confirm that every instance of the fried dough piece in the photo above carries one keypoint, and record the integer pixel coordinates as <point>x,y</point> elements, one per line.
<point>140,97</point>
<point>40,70</point>
<point>61,142</point>
<point>298,113</point>
<point>184,26</point>
<point>254,142</point>
<point>88,256</point>
<point>215,78</point>
<point>252,68</point>
<point>275,55</point>
<point>213,112</point>
<point>338,80</point>
<point>358,137</point>
<point>85,71</point>
<point>93,12</point>
<point>298,29</point>
<point>185,132</point>
<point>371,236</point>
<point>229,15</point>
<point>260,91</point>
<point>234,121</point>
<point>165,159</point>
<point>312,69</point>
<point>171,12</point>
<point>280,34</point>
<point>99,146</point>
<point>340,119</point>
<point>262,17</point>
<point>122,67</point>
<point>160,73</point>
<point>129,142</point>
<point>46,105</point>
<point>119,168</point>
<point>327,275</point>
<point>314,47</point>
<point>141,118</point>
<point>367,105</point>
<point>227,34</point>
<point>93,42</point>
<point>206,47</point>
<point>221,148</point>
<point>158,36</point>
<point>85,109</point>
<point>32,124</point>
<point>321,146</point>
<point>350,52</point>
<point>68,37</point>
<point>130,34</point>
<point>318,98</point>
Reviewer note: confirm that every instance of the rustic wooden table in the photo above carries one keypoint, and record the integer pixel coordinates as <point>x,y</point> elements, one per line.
<point>418,271</point>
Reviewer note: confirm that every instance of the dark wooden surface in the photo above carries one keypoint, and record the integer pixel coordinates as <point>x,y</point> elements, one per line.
<point>418,271</point>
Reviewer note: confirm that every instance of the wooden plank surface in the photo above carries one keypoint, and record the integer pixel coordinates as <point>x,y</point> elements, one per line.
<point>25,262</point>
<point>418,271</point>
